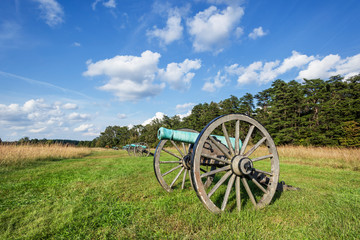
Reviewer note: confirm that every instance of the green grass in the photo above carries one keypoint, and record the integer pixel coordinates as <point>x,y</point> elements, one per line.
<point>109,195</point>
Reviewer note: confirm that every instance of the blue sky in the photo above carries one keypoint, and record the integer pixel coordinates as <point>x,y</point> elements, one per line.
<point>69,69</point>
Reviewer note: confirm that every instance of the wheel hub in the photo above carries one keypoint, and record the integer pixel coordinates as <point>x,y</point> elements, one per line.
<point>241,165</point>
<point>186,161</point>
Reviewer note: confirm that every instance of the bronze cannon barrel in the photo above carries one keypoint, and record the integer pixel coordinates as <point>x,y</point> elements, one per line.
<point>189,137</point>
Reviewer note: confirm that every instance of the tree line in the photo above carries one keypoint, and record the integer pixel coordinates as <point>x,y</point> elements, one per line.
<point>315,112</point>
<point>44,141</point>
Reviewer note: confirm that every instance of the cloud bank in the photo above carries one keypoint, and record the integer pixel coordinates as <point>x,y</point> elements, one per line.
<point>132,78</point>
<point>36,116</point>
<point>309,67</point>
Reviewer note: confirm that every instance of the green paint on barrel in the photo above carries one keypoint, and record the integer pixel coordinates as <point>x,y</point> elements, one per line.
<point>133,145</point>
<point>188,137</point>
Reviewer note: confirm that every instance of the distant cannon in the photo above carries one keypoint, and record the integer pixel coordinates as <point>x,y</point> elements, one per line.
<point>137,149</point>
<point>232,160</point>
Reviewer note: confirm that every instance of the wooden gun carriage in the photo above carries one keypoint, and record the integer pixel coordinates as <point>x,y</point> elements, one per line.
<point>232,161</point>
<point>137,149</point>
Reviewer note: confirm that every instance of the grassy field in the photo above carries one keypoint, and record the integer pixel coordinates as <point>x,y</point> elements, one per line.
<point>109,195</point>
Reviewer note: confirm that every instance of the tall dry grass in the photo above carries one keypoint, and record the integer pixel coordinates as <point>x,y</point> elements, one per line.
<point>18,155</point>
<point>347,158</point>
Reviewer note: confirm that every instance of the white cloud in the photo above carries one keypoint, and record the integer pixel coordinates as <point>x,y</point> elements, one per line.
<point>219,82</point>
<point>184,107</point>
<point>179,75</point>
<point>348,67</point>
<point>257,32</point>
<point>319,68</point>
<point>93,5</point>
<point>70,106</point>
<point>131,77</point>
<point>239,31</point>
<point>32,105</point>
<point>332,65</point>
<point>108,4</point>
<point>172,32</point>
<point>121,116</point>
<point>92,133</point>
<point>265,72</point>
<point>181,116</point>
<point>37,130</point>
<point>76,44</point>
<point>269,71</point>
<point>309,67</point>
<point>227,2</point>
<point>83,128</point>
<point>128,90</point>
<point>296,60</point>
<point>250,73</point>
<point>212,27</point>
<point>79,116</point>
<point>158,115</point>
<point>51,11</point>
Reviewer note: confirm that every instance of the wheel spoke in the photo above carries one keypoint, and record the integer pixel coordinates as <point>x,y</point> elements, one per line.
<point>183,181</point>
<point>247,188</point>
<point>218,184</point>
<point>237,137</point>
<point>171,170</point>
<point>255,147</point>
<point>191,183</point>
<point>176,178</point>
<point>172,154</point>
<point>257,184</point>
<point>221,147</point>
<point>184,148</point>
<point>215,158</point>
<point>227,193</point>
<point>262,158</point>
<point>177,148</point>
<point>264,172</point>
<point>169,161</point>
<point>215,171</point>
<point>246,141</point>
<point>238,197</point>
<point>226,135</point>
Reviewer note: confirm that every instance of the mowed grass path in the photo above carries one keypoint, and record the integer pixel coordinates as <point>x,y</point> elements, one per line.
<point>109,195</point>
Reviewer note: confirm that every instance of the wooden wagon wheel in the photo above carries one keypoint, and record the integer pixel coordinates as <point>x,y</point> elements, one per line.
<point>143,149</point>
<point>169,165</point>
<point>250,167</point>
<point>131,150</point>
<point>137,150</point>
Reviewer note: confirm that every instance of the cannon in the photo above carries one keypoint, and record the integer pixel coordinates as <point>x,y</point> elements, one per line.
<point>231,162</point>
<point>137,149</point>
